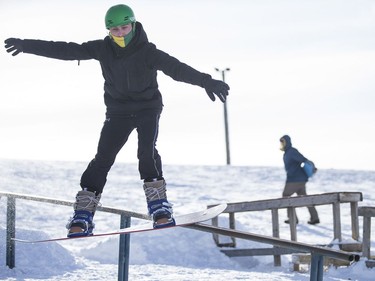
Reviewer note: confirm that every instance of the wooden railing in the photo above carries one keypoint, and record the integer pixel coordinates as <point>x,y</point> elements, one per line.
<point>317,253</point>
<point>334,199</point>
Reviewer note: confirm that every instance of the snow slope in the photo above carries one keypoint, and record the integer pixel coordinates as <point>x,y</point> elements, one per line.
<point>175,254</point>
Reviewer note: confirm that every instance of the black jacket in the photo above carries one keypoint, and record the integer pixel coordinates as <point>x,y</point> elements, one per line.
<point>130,73</point>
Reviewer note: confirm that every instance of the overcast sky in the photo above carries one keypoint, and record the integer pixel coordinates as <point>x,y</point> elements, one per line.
<point>303,68</point>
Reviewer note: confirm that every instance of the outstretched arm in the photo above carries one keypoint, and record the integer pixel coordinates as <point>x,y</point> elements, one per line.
<point>182,72</point>
<point>51,49</point>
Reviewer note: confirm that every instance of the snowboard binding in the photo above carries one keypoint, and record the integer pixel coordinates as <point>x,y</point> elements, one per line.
<point>81,224</point>
<point>161,213</point>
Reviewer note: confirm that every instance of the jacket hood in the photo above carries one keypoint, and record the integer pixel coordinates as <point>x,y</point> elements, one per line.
<point>140,34</point>
<point>288,141</point>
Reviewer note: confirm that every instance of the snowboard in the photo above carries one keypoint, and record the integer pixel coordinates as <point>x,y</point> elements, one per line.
<point>181,220</point>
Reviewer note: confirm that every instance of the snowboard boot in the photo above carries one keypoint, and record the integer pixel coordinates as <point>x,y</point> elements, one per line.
<point>81,224</point>
<point>159,208</point>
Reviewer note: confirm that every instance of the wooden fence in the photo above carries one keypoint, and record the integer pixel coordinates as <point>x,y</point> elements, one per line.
<point>274,205</point>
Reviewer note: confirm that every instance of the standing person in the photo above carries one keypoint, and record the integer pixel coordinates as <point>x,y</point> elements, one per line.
<point>296,178</point>
<point>129,64</point>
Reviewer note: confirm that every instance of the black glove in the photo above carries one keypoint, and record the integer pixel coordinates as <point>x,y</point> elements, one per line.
<point>14,44</point>
<point>216,87</point>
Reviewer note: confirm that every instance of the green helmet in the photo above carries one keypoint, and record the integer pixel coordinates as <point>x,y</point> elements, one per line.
<point>119,15</point>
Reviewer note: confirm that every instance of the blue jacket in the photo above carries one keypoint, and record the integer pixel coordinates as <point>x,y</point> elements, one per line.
<point>292,163</point>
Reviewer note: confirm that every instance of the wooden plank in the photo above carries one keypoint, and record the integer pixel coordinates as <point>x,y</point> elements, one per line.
<point>299,201</point>
<point>366,211</point>
<point>346,197</point>
<point>259,252</point>
<point>299,259</point>
<point>370,263</point>
<point>351,247</point>
<point>282,243</point>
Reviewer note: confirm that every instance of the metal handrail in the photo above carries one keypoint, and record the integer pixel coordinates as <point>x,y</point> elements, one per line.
<point>69,203</point>
<point>125,221</point>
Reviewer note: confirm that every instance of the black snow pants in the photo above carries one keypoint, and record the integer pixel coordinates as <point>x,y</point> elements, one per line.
<point>114,134</point>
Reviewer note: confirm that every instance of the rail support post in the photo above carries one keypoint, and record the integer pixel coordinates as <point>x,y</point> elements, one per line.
<point>124,249</point>
<point>11,232</point>
<point>316,270</point>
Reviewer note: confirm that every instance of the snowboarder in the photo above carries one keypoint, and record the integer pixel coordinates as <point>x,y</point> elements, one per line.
<point>296,178</point>
<point>129,64</point>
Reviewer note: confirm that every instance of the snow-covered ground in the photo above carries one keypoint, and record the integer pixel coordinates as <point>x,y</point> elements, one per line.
<point>174,254</point>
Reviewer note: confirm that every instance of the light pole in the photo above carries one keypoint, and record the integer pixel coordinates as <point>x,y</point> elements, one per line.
<point>225,117</point>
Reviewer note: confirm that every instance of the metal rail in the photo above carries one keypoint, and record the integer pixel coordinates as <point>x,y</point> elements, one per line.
<point>125,221</point>
<point>69,203</point>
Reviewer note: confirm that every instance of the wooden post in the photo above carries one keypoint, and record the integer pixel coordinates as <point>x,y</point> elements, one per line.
<point>215,236</point>
<point>355,222</point>
<point>366,243</point>
<point>292,223</point>
<point>336,221</point>
<point>367,213</point>
<point>232,225</point>
<point>276,234</point>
